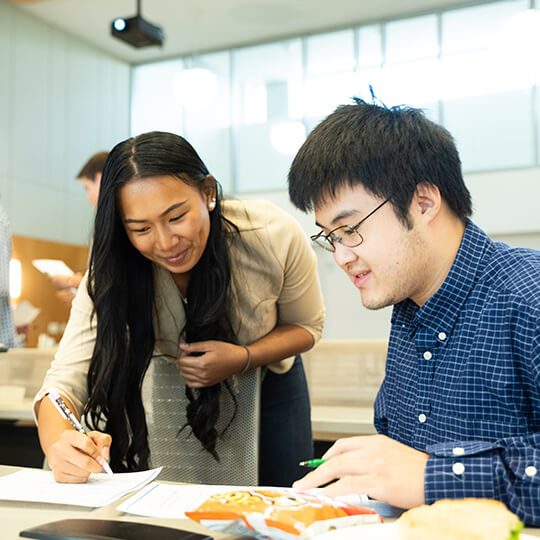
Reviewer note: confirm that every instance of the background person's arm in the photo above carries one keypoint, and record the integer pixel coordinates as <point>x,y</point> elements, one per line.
<point>66,282</point>
<point>66,287</point>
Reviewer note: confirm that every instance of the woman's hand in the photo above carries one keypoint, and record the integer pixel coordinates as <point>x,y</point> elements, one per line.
<point>75,455</point>
<point>206,363</point>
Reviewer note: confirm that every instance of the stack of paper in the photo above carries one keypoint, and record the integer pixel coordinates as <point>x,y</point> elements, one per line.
<point>34,485</point>
<point>171,500</point>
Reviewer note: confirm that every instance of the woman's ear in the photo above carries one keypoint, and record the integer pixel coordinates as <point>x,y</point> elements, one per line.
<point>210,192</point>
<point>427,200</point>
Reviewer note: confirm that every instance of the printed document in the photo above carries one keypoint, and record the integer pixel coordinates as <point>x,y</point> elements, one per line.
<point>36,485</point>
<point>171,501</point>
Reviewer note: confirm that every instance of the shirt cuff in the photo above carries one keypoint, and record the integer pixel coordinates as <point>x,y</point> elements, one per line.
<point>459,470</point>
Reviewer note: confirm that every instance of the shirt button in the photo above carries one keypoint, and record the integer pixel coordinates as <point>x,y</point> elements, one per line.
<point>422,418</point>
<point>442,336</point>
<point>458,451</point>
<point>530,470</point>
<point>428,355</point>
<point>458,468</point>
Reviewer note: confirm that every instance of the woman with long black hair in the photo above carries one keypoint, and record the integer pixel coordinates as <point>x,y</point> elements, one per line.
<point>187,296</point>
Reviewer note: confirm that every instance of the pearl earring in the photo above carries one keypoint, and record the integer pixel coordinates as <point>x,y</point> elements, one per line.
<point>212,204</point>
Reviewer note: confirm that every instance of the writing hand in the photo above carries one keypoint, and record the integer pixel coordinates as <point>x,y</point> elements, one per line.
<point>376,465</point>
<point>206,363</point>
<point>75,455</point>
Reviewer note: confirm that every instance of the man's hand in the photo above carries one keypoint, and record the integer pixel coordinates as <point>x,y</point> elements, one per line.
<point>376,465</point>
<point>206,363</point>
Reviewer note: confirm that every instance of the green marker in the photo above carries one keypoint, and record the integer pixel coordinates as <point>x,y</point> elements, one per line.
<point>312,462</point>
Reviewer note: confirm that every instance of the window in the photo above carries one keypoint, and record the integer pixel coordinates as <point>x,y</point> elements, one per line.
<point>476,70</point>
<point>267,99</point>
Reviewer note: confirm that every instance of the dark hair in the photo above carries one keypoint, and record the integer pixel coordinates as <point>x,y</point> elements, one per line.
<point>93,166</point>
<point>387,150</point>
<point>121,287</point>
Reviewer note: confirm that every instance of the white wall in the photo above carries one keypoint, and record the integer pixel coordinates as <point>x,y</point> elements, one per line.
<point>506,206</point>
<point>60,101</point>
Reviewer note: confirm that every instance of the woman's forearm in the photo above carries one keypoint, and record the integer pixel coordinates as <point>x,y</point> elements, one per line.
<point>50,423</point>
<point>283,341</point>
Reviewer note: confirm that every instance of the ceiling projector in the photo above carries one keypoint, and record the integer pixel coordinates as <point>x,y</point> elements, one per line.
<point>137,31</point>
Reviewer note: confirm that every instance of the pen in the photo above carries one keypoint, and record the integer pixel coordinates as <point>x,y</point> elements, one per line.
<point>63,409</point>
<point>312,462</point>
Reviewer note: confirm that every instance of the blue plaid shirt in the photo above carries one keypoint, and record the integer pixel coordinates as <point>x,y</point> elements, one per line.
<point>463,378</point>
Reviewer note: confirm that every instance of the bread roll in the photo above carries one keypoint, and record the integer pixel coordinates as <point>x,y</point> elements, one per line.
<point>461,519</point>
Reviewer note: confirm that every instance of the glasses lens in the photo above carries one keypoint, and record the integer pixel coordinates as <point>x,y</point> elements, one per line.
<point>324,243</point>
<point>348,237</point>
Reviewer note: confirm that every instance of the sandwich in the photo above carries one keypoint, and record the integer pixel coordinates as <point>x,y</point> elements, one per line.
<point>461,519</point>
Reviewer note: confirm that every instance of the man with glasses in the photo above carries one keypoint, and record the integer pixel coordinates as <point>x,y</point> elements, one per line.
<point>458,413</point>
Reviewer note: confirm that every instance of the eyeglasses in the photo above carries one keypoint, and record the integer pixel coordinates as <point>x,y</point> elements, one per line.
<point>344,234</point>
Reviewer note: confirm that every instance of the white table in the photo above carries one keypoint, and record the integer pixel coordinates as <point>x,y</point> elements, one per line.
<point>16,516</point>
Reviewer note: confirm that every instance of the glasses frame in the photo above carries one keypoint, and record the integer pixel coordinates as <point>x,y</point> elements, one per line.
<point>326,242</point>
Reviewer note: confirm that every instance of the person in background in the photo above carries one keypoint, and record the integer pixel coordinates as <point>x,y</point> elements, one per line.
<point>90,178</point>
<point>191,295</point>
<point>458,412</point>
<point>8,335</point>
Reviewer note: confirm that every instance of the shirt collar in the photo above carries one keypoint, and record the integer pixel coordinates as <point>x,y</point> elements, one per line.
<point>441,311</point>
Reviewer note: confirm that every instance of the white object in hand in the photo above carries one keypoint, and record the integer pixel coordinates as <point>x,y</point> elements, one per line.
<point>52,267</point>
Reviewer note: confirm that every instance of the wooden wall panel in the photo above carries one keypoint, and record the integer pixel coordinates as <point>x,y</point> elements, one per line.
<point>36,287</point>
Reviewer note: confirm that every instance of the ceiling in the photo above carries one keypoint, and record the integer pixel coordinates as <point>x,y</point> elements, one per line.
<point>193,26</point>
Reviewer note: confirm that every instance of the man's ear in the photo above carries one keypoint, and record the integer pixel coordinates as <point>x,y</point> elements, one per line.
<point>97,177</point>
<point>426,200</point>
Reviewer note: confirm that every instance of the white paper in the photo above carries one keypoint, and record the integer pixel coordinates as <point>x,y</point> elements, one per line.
<point>382,531</point>
<point>52,267</point>
<point>24,313</point>
<point>171,500</point>
<point>35,485</point>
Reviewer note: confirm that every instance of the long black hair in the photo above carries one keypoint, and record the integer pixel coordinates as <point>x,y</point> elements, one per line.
<point>121,287</point>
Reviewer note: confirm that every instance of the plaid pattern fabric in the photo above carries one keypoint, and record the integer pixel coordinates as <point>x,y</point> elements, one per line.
<point>462,378</point>
<point>7,330</point>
